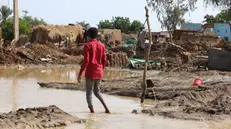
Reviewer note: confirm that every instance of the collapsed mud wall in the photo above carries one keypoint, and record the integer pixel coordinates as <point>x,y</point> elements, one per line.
<point>209,40</point>
<point>55,33</point>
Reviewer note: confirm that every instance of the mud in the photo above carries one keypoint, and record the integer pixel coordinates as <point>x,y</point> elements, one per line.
<point>37,118</point>
<point>208,102</point>
<point>130,86</point>
<point>178,98</point>
<point>221,105</point>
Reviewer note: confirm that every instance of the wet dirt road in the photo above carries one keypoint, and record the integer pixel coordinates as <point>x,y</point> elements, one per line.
<point>19,89</point>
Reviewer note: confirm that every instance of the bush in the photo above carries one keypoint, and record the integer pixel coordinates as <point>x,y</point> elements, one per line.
<point>8,28</point>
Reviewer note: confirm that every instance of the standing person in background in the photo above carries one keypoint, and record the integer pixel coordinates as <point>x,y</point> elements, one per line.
<point>94,63</point>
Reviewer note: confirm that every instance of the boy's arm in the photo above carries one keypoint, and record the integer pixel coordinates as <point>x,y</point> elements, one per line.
<point>86,60</point>
<point>104,58</point>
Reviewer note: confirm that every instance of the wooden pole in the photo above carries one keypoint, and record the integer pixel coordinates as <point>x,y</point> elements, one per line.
<point>16,22</point>
<point>146,58</point>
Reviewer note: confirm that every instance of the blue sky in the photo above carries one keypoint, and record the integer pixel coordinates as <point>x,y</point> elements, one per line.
<point>70,11</point>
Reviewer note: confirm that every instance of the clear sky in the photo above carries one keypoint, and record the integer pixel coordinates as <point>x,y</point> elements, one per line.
<point>70,11</point>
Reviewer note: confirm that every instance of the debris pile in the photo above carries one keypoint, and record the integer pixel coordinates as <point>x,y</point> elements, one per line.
<point>219,106</point>
<point>128,50</point>
<point>37,118</point>
<point>188,50</point>
<point>117,59</point>
<point>55,33</point>
<point>36,54</point>
<point>184,101</point>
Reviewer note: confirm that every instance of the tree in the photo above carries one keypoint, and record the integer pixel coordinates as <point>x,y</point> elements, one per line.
<point>122,23</point>
<point>105,24</point>
<point>222,17</point>
<point>83,24</point>
<point>8,28</point>
<point>220,3</point>
<point>209,19</point>
<point>136,26</point>
<point>171,13</point>
<point>33,21</point>
<point>173,17</point>
<point>5,12</point>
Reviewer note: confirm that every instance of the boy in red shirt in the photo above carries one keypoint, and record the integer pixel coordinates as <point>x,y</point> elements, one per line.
<point>94,63</point>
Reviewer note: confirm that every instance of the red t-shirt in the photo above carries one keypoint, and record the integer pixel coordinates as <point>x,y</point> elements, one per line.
<point>94,60</point>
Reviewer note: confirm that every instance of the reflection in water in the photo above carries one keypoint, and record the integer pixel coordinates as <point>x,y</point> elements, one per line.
<point>56,74</point>
<point>14,94</point>
<point>94,122</point>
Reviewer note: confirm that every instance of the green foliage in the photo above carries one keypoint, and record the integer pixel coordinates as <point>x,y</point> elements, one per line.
<point>33,21</point>
<point>8,28</point>
<point>24,27</point>
<point>220,3</point>
<point>122,23</point>
<point>5,12</point>
<point>83,24</point>
<point>136,26</point>
<point>174,17</point>
<point>105,24</point>
<point>222,17</point>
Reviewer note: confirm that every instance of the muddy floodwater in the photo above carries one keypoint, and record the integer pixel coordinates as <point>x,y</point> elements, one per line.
<point>19,89</point>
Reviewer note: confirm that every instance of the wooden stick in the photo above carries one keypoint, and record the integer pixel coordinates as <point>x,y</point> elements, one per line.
<point>146,57</point>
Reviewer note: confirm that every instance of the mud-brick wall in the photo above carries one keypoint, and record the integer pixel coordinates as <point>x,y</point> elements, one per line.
<point>197,39</point>
<point>118,59</point>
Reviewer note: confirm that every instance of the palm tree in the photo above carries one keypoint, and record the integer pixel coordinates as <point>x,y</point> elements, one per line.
<point>83,24</point>
<point>5,12</point>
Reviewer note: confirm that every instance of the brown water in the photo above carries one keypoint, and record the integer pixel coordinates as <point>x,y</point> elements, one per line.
<point>19,89</point>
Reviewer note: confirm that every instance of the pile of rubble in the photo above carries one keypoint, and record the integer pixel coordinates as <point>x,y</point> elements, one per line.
<point>187,51</point>
<point>117,59</point>
<point>36,54</point>
<point>55,33</point>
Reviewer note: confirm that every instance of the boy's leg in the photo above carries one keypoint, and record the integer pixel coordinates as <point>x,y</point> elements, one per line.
<point>89,86</point>
<point>98,95</point>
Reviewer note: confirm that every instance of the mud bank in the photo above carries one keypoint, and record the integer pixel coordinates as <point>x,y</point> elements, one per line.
<point>176,96</point>
<point>205,104</point>
<point>183,101</point>
<point>37,118</point>
<point>129,86</point>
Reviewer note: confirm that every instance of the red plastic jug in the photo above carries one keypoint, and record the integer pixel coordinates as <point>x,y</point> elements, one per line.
<point>197,82</point>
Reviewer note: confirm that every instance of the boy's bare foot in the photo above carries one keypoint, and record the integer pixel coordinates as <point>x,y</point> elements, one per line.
<point>91,109</point>
<point>108,112</point>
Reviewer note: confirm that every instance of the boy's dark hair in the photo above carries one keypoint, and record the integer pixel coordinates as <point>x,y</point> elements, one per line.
<point>93,32</point>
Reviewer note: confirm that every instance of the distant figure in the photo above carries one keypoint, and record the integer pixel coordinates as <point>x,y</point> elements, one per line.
<point>94,63</point>
<point>155,39</point>
<point>141,39</point>
<point>85,36</point>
